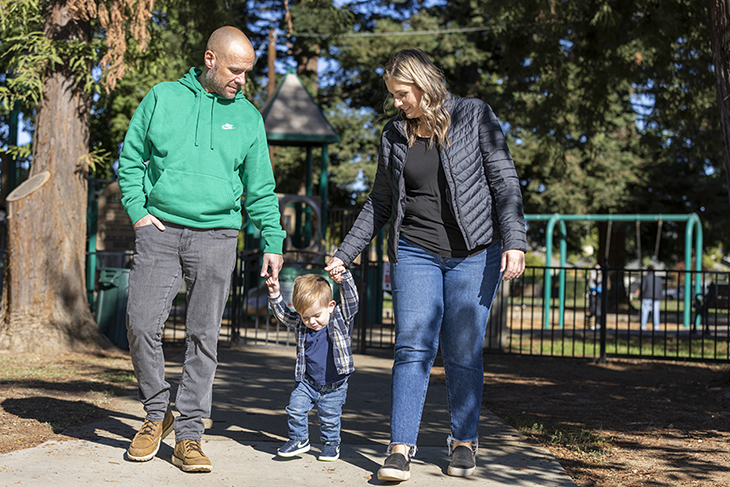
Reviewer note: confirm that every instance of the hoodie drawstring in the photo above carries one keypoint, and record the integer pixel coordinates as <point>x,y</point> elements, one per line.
<point>212,106</point>
<point>197,122</point>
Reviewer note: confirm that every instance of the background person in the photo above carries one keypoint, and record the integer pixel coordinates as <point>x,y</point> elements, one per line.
<point>191,148</point>
<point>650,292</point>
<point>447,183</point>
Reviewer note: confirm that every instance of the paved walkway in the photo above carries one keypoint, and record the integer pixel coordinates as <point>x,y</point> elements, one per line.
<point>249,423</point>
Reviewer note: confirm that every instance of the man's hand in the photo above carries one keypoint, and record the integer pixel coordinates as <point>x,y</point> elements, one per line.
<point>271,265</point>
<point>150,220</point>
<point>513,264</point>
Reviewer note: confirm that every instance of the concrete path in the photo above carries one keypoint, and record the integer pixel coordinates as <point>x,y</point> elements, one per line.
<point>249,423</point>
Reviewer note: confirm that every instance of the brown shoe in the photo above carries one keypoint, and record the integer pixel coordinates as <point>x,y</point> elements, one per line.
<point>147,440</point>
<point>190,457</point>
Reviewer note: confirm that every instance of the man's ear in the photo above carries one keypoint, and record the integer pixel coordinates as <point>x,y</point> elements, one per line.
<point>209,59</point>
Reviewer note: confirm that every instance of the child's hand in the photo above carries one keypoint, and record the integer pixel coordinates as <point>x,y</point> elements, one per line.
<point>336,273</point>
<point>273,284</point>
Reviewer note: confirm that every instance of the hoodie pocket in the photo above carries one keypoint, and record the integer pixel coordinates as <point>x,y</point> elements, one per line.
<point>193,196</point>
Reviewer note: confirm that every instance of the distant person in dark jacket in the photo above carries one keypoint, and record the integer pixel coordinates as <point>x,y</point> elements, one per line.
<point>702,305</point>
<point>651,292</point>
<point>448,186</point>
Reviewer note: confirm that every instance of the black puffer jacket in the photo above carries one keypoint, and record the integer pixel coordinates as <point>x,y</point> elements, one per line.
<point>486,208</point>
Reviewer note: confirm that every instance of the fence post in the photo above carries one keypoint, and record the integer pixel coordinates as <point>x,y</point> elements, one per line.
<point>495,338</point>
<point>236,299</point>
<point>363,286</point>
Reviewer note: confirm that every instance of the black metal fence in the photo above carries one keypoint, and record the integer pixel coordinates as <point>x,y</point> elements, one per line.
<point>573,318</point>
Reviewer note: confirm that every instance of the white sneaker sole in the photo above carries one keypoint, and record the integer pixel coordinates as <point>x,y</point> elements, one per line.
<point>460,472</point>
<point>295,452</point>
<point>393,474</point>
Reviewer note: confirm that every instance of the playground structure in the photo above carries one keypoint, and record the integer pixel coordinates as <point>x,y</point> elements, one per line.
<point>692,220</point>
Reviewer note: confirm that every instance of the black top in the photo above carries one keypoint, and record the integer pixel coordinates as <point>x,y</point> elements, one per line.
<point>428,221</point>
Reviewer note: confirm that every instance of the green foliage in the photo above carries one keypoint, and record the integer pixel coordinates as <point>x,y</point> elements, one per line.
<point>28,54</point>
<point>609,107</point>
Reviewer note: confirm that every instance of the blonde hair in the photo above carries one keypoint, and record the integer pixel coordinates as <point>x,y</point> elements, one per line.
<point>412,66</point>
<point>310,289</point>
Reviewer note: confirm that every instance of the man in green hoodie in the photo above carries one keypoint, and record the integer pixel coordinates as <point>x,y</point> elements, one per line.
<point>191,148</point>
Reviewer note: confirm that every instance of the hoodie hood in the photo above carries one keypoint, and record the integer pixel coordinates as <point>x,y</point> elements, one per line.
<point>204,101</point>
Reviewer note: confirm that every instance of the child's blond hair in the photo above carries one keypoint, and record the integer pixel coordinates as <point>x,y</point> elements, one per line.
<point>310,289</point>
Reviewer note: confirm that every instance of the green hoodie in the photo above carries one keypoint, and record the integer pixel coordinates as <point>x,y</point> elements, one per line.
<point>187,156</point>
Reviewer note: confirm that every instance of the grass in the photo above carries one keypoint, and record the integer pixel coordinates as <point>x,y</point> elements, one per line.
<point>636,346</point>
<point>562,435</point>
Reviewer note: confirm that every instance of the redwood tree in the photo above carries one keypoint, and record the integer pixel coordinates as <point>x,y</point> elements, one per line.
<point>44,306</point>
<point>720,33</point>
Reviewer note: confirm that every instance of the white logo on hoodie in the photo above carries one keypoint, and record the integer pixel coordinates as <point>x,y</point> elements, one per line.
<point>228,126</point>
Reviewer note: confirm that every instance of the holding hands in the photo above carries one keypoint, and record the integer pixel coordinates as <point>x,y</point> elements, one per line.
<point>273,284</point>
<point>336,268</point>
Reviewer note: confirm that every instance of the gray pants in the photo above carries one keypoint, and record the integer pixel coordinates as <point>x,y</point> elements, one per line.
<point>205,259</point>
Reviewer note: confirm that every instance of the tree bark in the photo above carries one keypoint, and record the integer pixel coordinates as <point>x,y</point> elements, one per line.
<point>720,35</point>
<point>44,306</point>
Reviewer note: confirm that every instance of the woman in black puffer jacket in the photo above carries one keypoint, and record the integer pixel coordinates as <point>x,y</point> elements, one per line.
<point>447,184</point>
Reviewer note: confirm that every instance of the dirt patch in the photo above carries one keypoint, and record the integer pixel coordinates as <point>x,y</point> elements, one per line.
<point>624,423</point>
<point>41,396</point>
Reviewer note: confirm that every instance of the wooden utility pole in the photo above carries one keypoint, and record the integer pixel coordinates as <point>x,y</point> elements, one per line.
<point>272,59</point>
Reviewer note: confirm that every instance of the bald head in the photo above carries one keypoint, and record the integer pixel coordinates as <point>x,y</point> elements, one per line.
<point>228,56</point>
<point>226,39</point>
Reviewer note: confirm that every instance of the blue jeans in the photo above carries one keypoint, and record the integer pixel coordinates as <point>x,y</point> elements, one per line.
<point>328,398</point>
<point>650,306</point>
<point>205,259</point>
<point>447,298</point>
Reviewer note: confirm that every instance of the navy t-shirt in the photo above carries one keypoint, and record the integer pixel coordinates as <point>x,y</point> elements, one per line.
<point>320,358</point>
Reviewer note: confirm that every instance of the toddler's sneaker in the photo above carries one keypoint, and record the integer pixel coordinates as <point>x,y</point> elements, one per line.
<point>330,452</point>
<point>293,447</point>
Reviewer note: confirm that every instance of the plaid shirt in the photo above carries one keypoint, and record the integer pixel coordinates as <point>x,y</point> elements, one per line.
<point>338,328</point>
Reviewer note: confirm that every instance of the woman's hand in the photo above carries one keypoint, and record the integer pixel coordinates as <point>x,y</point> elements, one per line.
<point>513,264</point>
<point>333,263</point>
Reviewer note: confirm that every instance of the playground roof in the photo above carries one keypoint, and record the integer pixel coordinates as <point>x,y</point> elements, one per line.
<point>291,116</point>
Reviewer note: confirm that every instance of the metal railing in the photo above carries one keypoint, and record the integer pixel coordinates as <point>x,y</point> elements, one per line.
<point>576,321</point>
<point>591,324</point>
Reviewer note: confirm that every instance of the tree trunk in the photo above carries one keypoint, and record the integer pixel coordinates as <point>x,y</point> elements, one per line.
<point>720,35</point>
<point>44,307</point>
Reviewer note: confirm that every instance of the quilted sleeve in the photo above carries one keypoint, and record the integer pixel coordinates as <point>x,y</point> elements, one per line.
<point>503,181</point>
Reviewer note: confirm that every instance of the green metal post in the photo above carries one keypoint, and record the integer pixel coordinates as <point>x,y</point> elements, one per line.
<point>91,218</point>
<point>548,276</point>
<point>563,262</point>
<point>688,281</point>
<point>323,185</point>
<point>307,237</point>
